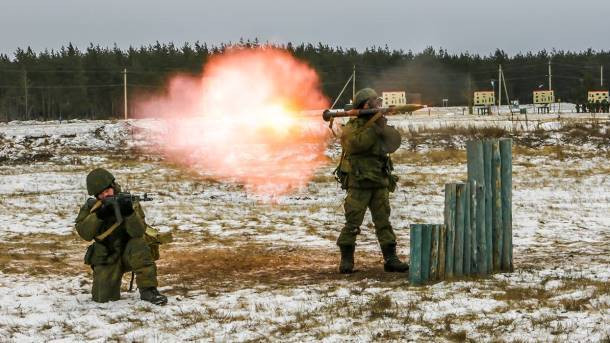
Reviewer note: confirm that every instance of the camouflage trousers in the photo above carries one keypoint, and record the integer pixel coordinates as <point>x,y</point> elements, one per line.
<point>136,257</point>
<point>378,202</point>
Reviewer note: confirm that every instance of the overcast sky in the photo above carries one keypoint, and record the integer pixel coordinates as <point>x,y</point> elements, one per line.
<point>478,26</point>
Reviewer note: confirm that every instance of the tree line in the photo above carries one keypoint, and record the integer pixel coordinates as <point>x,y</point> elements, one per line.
<point>70,83</point>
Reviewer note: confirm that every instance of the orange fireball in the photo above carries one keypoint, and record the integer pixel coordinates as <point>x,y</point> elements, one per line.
<point>239,121</point>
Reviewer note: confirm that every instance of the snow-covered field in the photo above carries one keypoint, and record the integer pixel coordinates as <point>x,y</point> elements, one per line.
<point>248,268</point>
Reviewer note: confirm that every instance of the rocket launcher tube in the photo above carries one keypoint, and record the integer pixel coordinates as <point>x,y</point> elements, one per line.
<point>328,115</point>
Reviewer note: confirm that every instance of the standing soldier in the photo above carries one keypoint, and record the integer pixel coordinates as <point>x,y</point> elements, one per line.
<point>365,171</point>
<point>119,245</point>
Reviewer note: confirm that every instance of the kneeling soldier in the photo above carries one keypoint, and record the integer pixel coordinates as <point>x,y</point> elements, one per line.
<point>119,246</point>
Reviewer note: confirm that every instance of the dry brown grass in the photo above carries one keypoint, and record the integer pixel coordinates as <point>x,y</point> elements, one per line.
<point>573,133</point>
<point>575,173</point>
<point>519,294</point>
<point>525,151</point>
<point>187,267</point>
<point>458,336</point>
<point>388,335</point>
<point>585,132</point>
<point>431,157</point>
<point>43,254</point>
<point>449,137</point>
<point>575,305</point>
<point>248,265</point>
<point>557,152</point>
<point>533,297</point>
<point>382,306</point>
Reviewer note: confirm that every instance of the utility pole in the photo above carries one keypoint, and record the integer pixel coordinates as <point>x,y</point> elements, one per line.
<point>601,76</point>
<point>125,91</point>
<point>342,90</point>
<point>506,93</point>
<point>354,83</point>
<point>470,95</point>
<point>25,90</point>
<point>550,77</point>
<point>499,87</point>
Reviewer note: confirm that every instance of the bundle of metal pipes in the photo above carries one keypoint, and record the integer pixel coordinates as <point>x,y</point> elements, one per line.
<point>476,238</point>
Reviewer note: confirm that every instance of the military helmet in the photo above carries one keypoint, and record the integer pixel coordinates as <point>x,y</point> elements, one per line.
<point>98,180</point>
<point>363,95</point>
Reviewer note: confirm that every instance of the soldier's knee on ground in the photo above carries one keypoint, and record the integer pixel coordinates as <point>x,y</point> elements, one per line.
<point>107,282</point>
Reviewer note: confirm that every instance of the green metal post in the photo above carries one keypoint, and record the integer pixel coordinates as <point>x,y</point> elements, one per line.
<point>450,217</point>
<point>487,144</point>
<point>461,194</point>
<point>435,233</point>
<point>474,227</point>
<point>469,210</point>
<point>507,216</point>
<point>480,242</point>
<point>476,172</point>
<point>442,252</point>
<point>496,201</point>
<point>426,246</point>
<point>416,253</point>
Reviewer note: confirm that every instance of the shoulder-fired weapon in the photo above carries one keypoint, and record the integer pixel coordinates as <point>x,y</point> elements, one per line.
<point>329,115</point>
<point>115,201</point>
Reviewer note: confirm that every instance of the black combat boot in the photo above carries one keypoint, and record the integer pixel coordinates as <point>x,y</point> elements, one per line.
<point>392,263</point>
<point>152,295</point>
<point>347,259</point>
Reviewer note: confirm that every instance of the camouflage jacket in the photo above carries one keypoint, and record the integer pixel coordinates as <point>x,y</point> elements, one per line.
<point>365,162</point>
<point>88,225</point>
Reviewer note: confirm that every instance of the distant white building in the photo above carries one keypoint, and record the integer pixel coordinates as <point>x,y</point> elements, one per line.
<point>544,97</point>
<point>393,98</point>
<point>484,98</point>
<point>598,96</point>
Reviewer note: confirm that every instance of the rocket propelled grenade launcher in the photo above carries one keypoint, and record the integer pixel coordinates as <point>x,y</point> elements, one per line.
<point>328,115</point>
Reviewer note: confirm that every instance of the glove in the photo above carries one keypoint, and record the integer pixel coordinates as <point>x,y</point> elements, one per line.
<point>126,205</point>
<point>105,212</point>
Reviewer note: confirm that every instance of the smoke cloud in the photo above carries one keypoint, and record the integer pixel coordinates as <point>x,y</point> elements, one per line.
<point>240,121</point>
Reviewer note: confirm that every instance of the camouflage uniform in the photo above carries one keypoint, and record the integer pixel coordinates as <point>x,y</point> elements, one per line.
<point>366,172</point>
<point>125,249</point>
